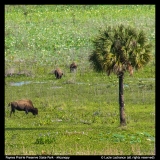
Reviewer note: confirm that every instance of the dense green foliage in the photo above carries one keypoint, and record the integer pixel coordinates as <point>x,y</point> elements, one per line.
<point>78,114</point>
<point>119,49</point>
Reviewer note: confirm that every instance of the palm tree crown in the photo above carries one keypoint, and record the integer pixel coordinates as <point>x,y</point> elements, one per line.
<point>120,49</point>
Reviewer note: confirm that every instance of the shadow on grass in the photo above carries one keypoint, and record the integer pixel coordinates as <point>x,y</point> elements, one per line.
<point>13,129</point>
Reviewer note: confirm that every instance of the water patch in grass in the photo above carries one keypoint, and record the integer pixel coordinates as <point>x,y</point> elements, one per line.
<point>20,83</point>
<point>71,82</point>
<point>23,83</point>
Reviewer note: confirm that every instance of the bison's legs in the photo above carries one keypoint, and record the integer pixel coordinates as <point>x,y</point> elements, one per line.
<point>56,75</point>
<point>26,111</point>
<point>12,110</point>
<point>73,70</point>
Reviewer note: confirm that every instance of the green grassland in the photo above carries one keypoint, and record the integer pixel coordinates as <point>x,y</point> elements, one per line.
<point>78,114</point>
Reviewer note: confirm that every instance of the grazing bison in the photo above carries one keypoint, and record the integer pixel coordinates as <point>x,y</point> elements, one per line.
<point>58,73</point>
<point>73,67</point>
<point>23,105</point>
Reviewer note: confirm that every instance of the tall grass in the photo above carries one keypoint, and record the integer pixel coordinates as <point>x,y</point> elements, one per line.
<point>61,33</point>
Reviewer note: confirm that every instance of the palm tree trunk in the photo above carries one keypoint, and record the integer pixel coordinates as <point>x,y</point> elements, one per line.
<point>121,100</point>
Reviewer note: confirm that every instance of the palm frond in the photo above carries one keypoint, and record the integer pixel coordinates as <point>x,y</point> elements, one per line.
<point>119,49</point>
<point>141,39</point>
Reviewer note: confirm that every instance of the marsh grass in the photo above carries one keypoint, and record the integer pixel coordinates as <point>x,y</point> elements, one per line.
<point>78,114</point>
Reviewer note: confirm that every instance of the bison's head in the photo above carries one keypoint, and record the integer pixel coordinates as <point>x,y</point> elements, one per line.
<point>35,111</point>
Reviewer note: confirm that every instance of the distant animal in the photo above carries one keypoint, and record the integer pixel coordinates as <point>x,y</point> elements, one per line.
<point>58,73</point>
<point>73,67</point>
<point>23,105</point>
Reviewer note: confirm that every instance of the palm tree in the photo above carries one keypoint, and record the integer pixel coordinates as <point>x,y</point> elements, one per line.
<point>119,49</point>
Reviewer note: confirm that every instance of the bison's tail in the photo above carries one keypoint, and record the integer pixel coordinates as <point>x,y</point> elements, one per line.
<point>9,104</point>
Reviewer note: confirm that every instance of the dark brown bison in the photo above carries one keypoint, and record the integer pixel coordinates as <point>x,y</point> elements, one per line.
<point>73,67</point>
<point>23,105</point>
<point>58,73</point>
